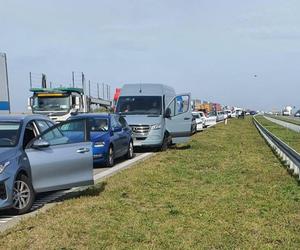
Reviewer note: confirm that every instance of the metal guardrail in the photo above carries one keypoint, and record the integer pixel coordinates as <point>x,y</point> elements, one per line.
<point>284,151</point>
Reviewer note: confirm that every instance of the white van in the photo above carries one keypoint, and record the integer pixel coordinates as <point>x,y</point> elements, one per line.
<point>156,115</point>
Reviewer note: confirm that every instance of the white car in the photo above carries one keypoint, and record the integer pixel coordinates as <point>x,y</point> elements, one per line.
<point>199,120</point>
<point>211,119</point>
<point>228,112</point>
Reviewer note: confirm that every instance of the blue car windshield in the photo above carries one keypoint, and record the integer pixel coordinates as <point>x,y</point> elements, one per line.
<point>9,134</point>
<point>139,105</point>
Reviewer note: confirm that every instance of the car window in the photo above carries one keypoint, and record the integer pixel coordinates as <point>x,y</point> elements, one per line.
<point>114,122</point>
<point>179,105</point>
<point>42,125</point>
<point>123,122</point>
<point>29,134</point>
<point>98,124</point>
<point>72,131</point>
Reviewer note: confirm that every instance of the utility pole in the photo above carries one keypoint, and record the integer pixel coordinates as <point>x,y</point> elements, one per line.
<point>82,82</point>
<point>44,81</point>
<point>30,80</point>
<point>98,90</point>
<point>107,92</point>
<point>89,88</point>
<point>73,79</point>
<point>103,90</point>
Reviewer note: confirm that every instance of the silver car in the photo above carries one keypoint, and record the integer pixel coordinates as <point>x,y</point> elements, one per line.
<point>36,157</point>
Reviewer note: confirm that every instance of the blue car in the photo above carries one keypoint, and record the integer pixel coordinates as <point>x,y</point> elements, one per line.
<point>111,137</point>
<point>38,156</point>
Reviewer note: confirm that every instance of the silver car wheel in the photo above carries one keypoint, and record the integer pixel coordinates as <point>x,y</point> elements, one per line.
<point>21,195</point>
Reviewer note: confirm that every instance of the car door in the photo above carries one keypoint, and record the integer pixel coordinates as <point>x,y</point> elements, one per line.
<point>179,121</point>
<point>61,157</point>
<point>125,134</point>
<point>116,129</point>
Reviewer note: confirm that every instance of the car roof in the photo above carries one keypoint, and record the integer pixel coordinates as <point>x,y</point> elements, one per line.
<point>22,117</point>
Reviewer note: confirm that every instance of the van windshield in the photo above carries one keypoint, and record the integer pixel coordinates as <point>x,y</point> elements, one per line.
<point>138,105</point>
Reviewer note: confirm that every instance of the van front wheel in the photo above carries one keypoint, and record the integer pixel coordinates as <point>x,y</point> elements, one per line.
<point>165,143</point>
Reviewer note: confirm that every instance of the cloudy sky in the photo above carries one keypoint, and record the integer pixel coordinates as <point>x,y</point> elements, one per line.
<point>211,48</point>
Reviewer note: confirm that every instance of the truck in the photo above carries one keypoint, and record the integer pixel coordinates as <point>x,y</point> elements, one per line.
<point>287,111</point>
<point>157,116</point>
<point>60,103</point>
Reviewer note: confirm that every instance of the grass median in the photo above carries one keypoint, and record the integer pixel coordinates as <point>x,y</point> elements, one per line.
<point>290,137</point>
<point>227,190</point>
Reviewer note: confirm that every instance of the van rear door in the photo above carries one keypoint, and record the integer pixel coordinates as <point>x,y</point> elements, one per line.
<point>179,120</point>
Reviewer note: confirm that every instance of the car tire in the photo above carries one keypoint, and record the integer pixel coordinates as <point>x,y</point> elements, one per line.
<point>110,157</point>
<point>165,143</point>
<point>130,153</point>
<point>23,195</point>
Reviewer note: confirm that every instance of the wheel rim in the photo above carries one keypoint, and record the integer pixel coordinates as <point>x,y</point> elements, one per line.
<point>21,195</point>
<point>130,149</point>
<point>111,156</point>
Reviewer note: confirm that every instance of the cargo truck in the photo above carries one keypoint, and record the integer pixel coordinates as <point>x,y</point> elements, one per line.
<point>60,103</point>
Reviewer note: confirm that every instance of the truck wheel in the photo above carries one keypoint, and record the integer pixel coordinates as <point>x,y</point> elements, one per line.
<point>23,195</point>
<point>130,152</point>
<point>110,157</point>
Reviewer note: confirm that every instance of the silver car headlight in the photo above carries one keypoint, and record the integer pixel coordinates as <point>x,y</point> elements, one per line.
<point>156,126</point>
<point>3,166</point>
<point>99,144</point>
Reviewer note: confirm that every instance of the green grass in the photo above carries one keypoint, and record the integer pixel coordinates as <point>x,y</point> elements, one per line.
<point>290,137</point>
<point>292,120</point>
<point>226,191</point>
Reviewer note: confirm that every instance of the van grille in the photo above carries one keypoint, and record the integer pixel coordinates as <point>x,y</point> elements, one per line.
<point>140,130</point>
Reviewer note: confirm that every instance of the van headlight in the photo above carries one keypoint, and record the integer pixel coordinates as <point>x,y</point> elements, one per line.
<point>3,166</point>
<point>99,144</point>
<point>156,126</point>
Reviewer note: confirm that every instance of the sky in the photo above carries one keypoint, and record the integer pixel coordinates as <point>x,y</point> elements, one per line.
<point>239,53</point>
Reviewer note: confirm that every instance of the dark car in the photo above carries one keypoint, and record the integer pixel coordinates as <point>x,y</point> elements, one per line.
<point>111,137</point>
<point>297,114</point>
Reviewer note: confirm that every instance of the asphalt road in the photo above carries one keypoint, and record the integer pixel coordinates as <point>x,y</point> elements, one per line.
<point>288,125</point>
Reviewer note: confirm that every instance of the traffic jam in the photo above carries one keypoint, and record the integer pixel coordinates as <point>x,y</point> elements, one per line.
<point>62,141</point>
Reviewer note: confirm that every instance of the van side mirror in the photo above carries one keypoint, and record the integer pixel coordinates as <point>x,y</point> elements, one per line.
<point>168,113</point>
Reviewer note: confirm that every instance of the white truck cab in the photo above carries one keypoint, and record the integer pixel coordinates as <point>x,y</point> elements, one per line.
<point>156,115</point>
<point>60,103</point>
